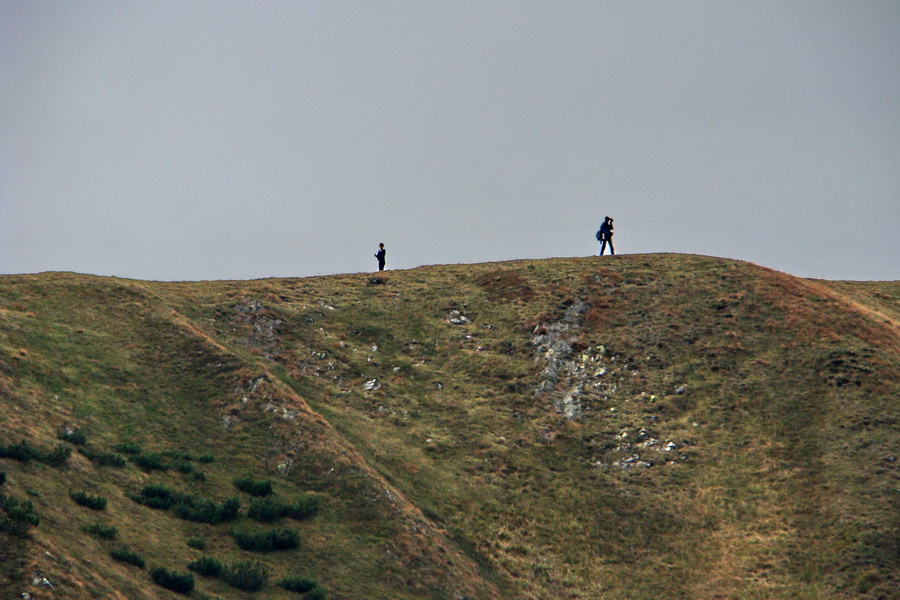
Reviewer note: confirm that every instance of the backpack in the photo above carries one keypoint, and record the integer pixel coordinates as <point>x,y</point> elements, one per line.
<point>599,235</point>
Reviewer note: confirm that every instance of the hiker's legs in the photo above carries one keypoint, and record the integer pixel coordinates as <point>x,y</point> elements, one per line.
<point>602,247</point>
<point>612,250</point>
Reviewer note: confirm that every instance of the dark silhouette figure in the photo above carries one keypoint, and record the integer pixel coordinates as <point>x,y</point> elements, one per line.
<point>380,256</point>
<point>604,236</point>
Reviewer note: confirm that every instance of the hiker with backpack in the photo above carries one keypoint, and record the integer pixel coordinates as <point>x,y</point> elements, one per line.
<point>604,236</point>
<point>380,256</point>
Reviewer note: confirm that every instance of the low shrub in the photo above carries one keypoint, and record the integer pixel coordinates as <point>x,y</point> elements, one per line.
<point>151,461</point>
<point>58,456</point>
<point>107,532</point>
<point>2,477</point>
<point>22,452</point>
<point>88,500</point>
<point>298,584</point>
<point>181,583</point>
<point>315,594</point>
<point>25,452</point>
<point>18,516</point>
<point>184,467</point>
<point>206,458</point>
<point>130,448</point>
<point>103,459</point>
<point>247,576</point>
<point>303,508</point>
<point>266,510</point>
<point>254,487</point>
<point>73,436</point>
<point>202,510</point>
<point>123,554</point>
<point>187,506</point>
<point>198,543</point>
<point>207,566</point>
<point>267,541</point>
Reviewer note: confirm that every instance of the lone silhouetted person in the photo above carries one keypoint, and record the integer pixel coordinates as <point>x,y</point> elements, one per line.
<point>380,256</point>
<point>604,236</point>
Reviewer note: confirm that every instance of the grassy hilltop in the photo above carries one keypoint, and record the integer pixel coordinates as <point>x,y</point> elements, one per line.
<point>646,426</point>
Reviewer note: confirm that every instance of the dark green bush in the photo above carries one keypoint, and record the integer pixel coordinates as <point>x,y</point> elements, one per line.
<point>181,583</point>
<point>303,508</point>
<point>22,452</point>
<point>107,532</point>
<point>197,543</point>
<point>298,584</point>
<point>202,510</point>
<point>123,554</point>
<point>58,456</point>
<point>187,506</point>
<point>207,566</point>
<point>266,510</point>
<point>150,461</point>
<point>73,436</point>
<point>253,487</point>
<point>103,459</point>
<point>206,458</point>
<point>247,576</point>
<point>184,467</point>
<point>315,594</point>
<point>267,541</point>
<point>88,500</point>
<point>129,448</point>
<point>18,516</point>
<point>2,477</point>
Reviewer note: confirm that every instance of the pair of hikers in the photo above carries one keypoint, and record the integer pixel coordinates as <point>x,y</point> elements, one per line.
<point>604,236</point>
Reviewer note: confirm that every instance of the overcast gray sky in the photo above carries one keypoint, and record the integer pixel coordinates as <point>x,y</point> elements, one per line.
<point>231,139</point>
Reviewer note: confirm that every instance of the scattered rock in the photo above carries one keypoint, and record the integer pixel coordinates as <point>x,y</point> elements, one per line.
<point>457,318</point>
<point>680,389</point>
<point>372,385</point>
<point>669,447</point>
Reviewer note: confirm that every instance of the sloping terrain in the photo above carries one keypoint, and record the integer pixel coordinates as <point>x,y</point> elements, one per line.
<point>630,427</point>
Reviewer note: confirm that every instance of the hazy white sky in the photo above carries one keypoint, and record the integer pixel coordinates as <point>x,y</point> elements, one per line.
<point>220,139</point>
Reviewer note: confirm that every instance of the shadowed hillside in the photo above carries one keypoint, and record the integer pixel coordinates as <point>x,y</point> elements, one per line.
<point>641,426</point>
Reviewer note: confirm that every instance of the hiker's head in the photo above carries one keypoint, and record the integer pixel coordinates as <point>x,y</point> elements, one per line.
<point>381,245</point>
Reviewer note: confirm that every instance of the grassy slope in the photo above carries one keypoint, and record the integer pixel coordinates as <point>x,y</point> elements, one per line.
<point>453,478</point>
